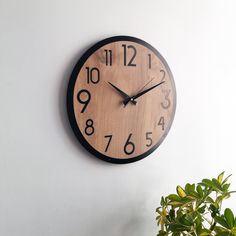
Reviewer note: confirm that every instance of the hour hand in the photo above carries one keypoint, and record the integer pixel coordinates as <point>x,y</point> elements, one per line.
<point>123,94</point>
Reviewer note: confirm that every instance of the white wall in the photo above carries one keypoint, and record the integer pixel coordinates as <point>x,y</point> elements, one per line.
<point>49,185</point>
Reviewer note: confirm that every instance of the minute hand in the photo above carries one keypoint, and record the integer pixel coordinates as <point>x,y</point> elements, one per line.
<point>143,92</point>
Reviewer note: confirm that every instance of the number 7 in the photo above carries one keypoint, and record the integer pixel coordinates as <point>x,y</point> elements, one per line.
<point>110,137</point>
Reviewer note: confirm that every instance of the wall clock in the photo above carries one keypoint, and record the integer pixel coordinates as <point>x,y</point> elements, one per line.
<point>121,99</point>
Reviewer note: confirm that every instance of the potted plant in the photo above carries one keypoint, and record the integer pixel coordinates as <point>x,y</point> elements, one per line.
<point>196,209</point>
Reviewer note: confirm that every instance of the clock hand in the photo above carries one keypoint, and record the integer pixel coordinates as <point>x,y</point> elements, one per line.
<point>146,84</point>
<point>132,100</point>
<point>123,94</point>
<point>147,90</point>
<point>126,101</point>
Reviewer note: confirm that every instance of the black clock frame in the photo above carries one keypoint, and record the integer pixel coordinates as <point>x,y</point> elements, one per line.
<point>70,92</point>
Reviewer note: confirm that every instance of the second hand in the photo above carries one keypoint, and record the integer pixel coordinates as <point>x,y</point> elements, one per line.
<point>146,84</point>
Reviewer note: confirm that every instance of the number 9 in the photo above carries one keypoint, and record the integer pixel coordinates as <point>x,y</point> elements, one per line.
<point>84,101</point>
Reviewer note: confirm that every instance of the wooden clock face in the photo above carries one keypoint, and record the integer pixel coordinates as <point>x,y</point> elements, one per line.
<point>121,99</point>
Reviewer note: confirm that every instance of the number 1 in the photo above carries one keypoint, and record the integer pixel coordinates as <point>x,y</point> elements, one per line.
<point>149,61</point>
<point>108,57</point>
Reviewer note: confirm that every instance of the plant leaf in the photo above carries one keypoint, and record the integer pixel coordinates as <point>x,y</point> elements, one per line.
<point>180,191</point>
<point>210,200</point>
<point>161,233</point>
<point>205,232</point>
<point>225,187</point>
<point>220,177</point>
<point>202,209</point>
<point>226,179</point>
<point>216,184</point>
<point>177,227</point>
<point>219,229</point>
<point>221,221</point>
<point>223,234</point>
<point>174,197</point>
<point>208,183</point>
<point>187,188</point>
<point>176,234</point>
<point>200,191</point>
<point>229,217</point>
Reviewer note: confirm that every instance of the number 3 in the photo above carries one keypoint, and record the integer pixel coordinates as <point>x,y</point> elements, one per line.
<point>166,104</point>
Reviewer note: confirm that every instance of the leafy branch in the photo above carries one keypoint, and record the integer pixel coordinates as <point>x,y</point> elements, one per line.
<point>196,210</point>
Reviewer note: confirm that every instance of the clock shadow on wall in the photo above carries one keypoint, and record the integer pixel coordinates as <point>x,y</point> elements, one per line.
<point>121,99</point>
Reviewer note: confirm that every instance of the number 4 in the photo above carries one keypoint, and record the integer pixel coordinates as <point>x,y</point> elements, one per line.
<point>162,122</point>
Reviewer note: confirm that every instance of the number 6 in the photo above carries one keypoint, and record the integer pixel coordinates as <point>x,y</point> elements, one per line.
<point>131,144</point>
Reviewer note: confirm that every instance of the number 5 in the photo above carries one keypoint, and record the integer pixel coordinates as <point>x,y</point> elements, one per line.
<point>148,134</point>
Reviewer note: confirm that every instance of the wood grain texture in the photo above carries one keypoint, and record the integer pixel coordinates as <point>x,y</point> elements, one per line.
<point>106,110</point>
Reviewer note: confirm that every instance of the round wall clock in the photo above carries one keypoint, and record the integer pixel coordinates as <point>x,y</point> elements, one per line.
<point>121,99</point>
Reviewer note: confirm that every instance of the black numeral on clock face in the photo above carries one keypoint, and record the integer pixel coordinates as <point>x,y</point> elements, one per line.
<point>129,146</point>
<point>108,57</point>
<point>162,122</point>
<point>130,63</point>
<point>84,101</point>
<point>109,141</point>
<point>93,75</point>
<point>89,129</point>
<point>149,61</point>
<point>149,139</point>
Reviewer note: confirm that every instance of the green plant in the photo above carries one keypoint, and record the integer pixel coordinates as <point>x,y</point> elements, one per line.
<point>196,210</point>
